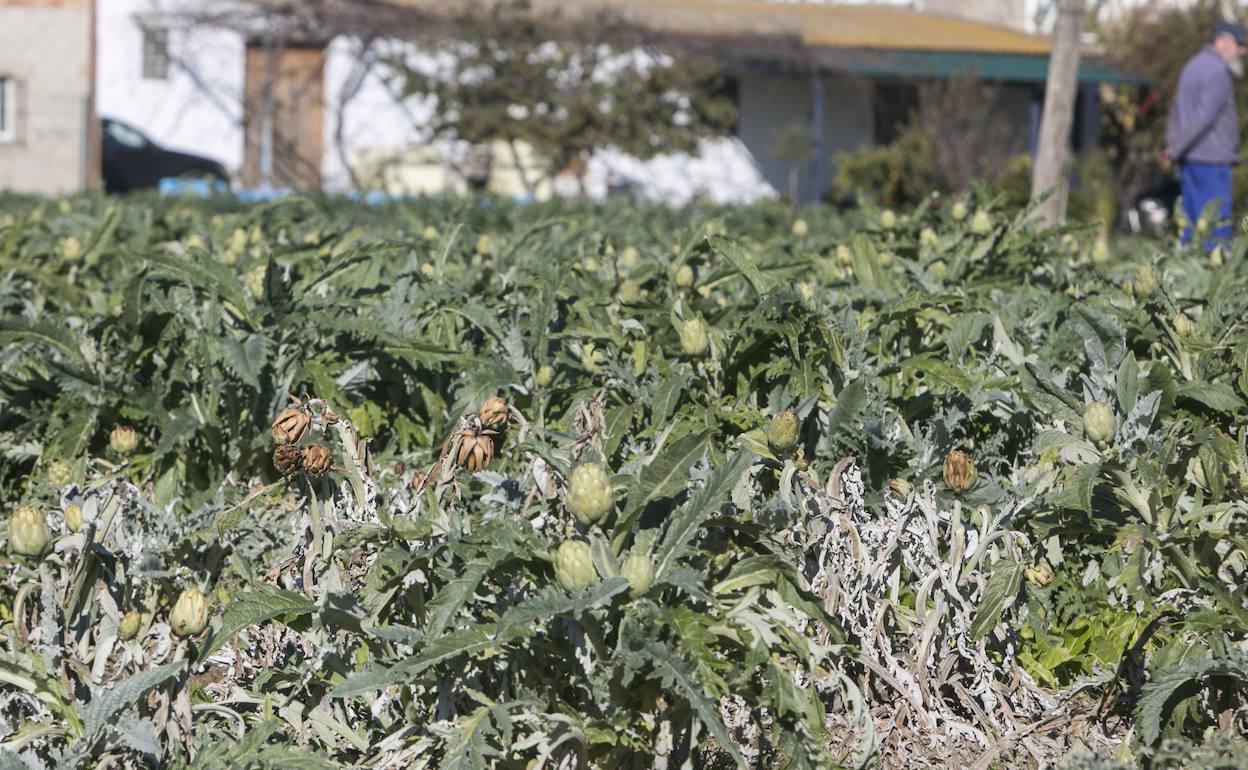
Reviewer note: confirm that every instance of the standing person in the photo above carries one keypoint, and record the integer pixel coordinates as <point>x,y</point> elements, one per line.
<point>1202,132</point>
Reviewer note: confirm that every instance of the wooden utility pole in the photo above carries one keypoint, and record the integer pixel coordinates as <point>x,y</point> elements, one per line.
<point>1060,90</point>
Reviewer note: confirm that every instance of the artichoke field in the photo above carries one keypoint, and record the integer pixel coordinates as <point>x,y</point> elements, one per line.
<point>467,484</point>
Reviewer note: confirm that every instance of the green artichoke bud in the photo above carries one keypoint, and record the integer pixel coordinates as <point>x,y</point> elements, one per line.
<point>684,277</point>
<point>641,354</point>
<point>629,291</point>
<point>1100,251</point>
<point>545,374</point>
<point>1039,575</point>
<point>430,233</point>
<point>73,517</point>
<point>128,628</point>
<point>1145,281</point>
<point>938,269</point>
<point>71,249</point>
<point>59,473</point>
<point>428,270</point>
<point>483,244</point>
<point>800,228</point>
<point>1183,325</point>
<point>254,279</point>
<point>238,242</point>
<point>981,223</point>
<point>806,290</point>
<point>959,211</point>
<point>844,255</point>
<point>1216,257</point>
<point>888,219</point>
<point>959,471</point>
<point>782,432</point>
<point>693,339</point>
<point>1099,423</point>
<point>574,567</point>
<point>900,488</point>
<point>189,616</point>
<point>123,440</point>
<point>629,258</point>
<point>590,357</point>
<point>639,572</point>
<point>29,534</point>
<point>590,495</point>
<point>927,237</point>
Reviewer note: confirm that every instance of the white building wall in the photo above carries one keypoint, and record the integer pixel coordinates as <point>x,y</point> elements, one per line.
<point>199,107</point>
<point>43,50</point>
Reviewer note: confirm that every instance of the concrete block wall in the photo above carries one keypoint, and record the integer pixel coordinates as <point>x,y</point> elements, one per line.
<point>44,46</point>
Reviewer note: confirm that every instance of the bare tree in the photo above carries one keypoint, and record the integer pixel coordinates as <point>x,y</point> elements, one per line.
<point>966,145</point>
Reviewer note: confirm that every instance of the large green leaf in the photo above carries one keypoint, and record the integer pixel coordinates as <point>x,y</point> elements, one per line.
<point>253,607</point>
<point>1157,699</point>
<point>248,358</point>
<point>1216,395</point>
<point>1002,588</point>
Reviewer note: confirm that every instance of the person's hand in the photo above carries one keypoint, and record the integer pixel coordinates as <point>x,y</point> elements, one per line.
<point>1166,160</point>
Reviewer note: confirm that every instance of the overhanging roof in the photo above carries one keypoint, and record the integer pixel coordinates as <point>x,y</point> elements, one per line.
<point>1012,68</point>
<point>828,25</point>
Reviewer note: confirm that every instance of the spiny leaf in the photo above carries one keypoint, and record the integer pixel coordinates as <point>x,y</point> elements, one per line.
<point>467,641</point>
<point>681,677</point>
<point>42,331</point>
<point>551,602</point>
<point>736,255</point>
<point>106,705</point>
<point>685,523</point>
<point>207,277</point>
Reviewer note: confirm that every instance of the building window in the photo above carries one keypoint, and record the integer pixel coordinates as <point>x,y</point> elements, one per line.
<point>155,53</point>
<point>8,109</point>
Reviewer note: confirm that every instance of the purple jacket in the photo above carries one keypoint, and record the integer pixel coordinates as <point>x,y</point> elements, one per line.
<point>1202,126</point>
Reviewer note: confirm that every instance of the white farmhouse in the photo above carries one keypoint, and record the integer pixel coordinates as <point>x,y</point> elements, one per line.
<point>281,102</point>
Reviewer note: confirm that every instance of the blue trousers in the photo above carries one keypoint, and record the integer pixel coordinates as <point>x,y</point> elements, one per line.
<point>1202,184</point>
